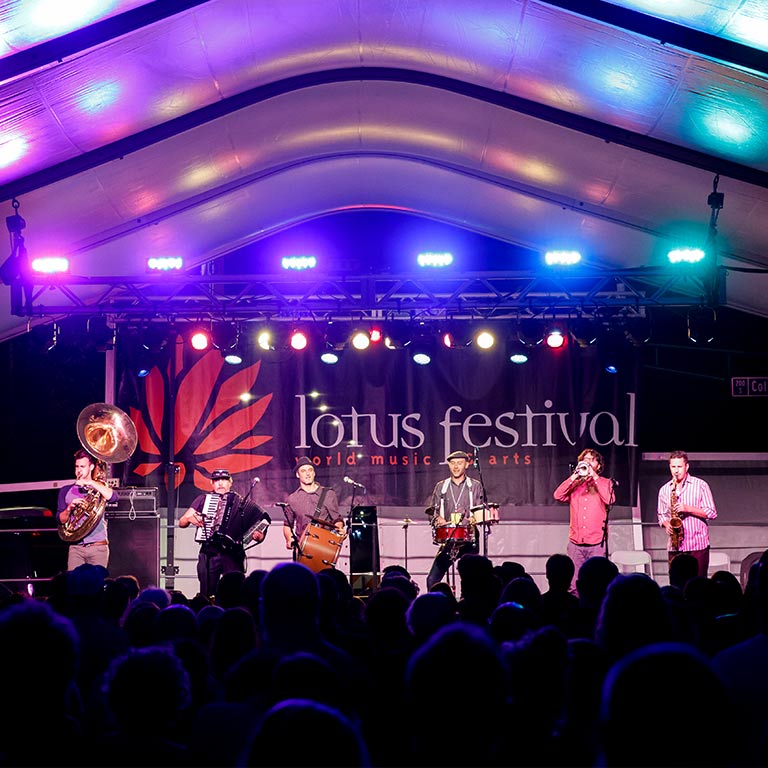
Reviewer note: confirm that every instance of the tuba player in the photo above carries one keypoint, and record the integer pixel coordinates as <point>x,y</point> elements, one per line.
<point>94,547</point>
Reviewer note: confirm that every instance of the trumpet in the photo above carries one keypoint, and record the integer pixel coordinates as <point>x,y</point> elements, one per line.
<point>582,469</point>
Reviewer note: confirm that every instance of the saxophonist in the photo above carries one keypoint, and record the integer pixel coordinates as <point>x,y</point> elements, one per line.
<point>690,499</point>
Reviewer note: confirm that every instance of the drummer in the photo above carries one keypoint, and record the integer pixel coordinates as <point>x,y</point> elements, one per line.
<point>452,500</point>
<point>310,501</point>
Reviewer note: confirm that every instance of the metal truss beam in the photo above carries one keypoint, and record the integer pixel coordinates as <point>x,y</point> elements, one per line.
<point>292,295</point>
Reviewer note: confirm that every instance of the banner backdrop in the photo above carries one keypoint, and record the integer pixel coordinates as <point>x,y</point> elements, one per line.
<point>382,421</point>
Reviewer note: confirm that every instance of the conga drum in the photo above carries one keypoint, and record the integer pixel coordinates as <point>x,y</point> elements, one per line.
<point>319,547</point>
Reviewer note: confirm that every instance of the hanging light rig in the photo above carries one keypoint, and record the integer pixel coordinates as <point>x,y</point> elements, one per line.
<point>15,271</point>
<point>715,201</point>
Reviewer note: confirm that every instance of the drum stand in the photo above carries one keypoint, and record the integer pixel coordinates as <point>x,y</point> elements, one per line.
<point>406,522</point>
<point>454,555</point>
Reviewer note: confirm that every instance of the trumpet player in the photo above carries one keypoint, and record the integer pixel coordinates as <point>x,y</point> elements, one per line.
<point>690,500</point>
<point>589,496</point>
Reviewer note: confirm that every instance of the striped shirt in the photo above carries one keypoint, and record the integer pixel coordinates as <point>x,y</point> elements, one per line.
<point>694,492</point>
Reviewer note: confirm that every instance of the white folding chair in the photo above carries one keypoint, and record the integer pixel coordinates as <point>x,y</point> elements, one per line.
<point>719,561</point>
<point>632,561</point>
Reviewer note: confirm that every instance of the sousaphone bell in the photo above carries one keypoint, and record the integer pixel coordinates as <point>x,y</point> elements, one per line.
<point>109,435</point>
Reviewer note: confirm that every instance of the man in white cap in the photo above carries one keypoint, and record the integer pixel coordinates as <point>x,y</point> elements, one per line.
<point>452,502</point>
<point>222,527</point>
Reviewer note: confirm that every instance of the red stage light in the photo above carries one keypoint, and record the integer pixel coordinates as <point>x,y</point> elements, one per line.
<point>555,339</point>
<point>299,340</point>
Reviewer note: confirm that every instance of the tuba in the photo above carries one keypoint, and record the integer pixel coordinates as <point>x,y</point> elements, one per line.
<point>109,435</point>
<point>675,521</point>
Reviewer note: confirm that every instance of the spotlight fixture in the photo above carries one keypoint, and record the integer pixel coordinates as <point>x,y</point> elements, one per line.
<point>685,255</point>
<point>583,331</point>
<point>265,340</point>
<point>361,340</point>
<point>234,355</point>
<point>561,258</point>
<point>299,340</point>
<point>455,335</point>
<point>434,259</point>
<point>555,339</point>
<point>224,336</point>
<point>530,332</point>
<point>701,325</point>
<point>298,262</point>
<point>50,265</point>
<point>144,362</point>
<point>154,337</point>
<point>518,358</point>
<point>165,264</point>
<point>484,339</point>
<point>200,340</point>
<point>397,335</point>
<point>420,354</point>
<point>101,333</point>
<point>329,357</point>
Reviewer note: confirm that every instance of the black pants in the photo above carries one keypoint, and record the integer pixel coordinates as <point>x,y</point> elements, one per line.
<point>212,564</point>
<point>701,555</point>
<point>445,557</point>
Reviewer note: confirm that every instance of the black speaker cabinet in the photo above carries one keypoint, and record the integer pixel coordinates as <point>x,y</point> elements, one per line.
<point>134,546</point>
<point>364,550</point>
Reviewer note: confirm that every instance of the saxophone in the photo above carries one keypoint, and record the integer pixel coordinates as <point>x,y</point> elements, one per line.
<point>675,521</point>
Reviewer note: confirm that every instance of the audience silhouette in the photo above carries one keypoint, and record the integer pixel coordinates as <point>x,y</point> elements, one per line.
<point>288,667</point>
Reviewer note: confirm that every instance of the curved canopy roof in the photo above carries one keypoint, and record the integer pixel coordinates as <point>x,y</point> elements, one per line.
<point>200,128</point>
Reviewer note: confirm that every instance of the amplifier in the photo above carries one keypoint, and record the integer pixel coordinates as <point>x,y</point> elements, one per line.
<point>134,500</point>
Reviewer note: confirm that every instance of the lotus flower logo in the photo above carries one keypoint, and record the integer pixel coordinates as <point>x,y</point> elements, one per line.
<point>212,427</point>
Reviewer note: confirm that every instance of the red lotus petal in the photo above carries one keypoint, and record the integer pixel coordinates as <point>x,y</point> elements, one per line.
<point>155,391</point>
<point>146,443</point>
<point>201,482</point>
<point>190,398</point>
<point>254,441</point>
<point>230,391</point>
<point>231,428</point>
<point>145,469</point>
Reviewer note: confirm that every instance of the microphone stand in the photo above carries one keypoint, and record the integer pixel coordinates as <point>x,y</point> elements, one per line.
<point>350,523</point>
<point>484,501</point>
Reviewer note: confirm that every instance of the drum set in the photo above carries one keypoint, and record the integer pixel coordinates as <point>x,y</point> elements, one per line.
<point>461,530</point>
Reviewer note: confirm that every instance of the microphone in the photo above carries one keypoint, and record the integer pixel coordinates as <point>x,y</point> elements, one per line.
<point>475,459</point>
<point>353,483</point>
<point>254,481</point>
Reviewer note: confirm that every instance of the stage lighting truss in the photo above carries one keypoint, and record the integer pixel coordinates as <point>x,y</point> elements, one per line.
<point>493,295</point>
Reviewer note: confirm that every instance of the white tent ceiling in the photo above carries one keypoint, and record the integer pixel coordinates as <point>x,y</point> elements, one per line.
<point>197,128</point>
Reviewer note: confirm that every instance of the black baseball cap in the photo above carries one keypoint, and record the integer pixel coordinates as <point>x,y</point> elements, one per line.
<point>220,474</point>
